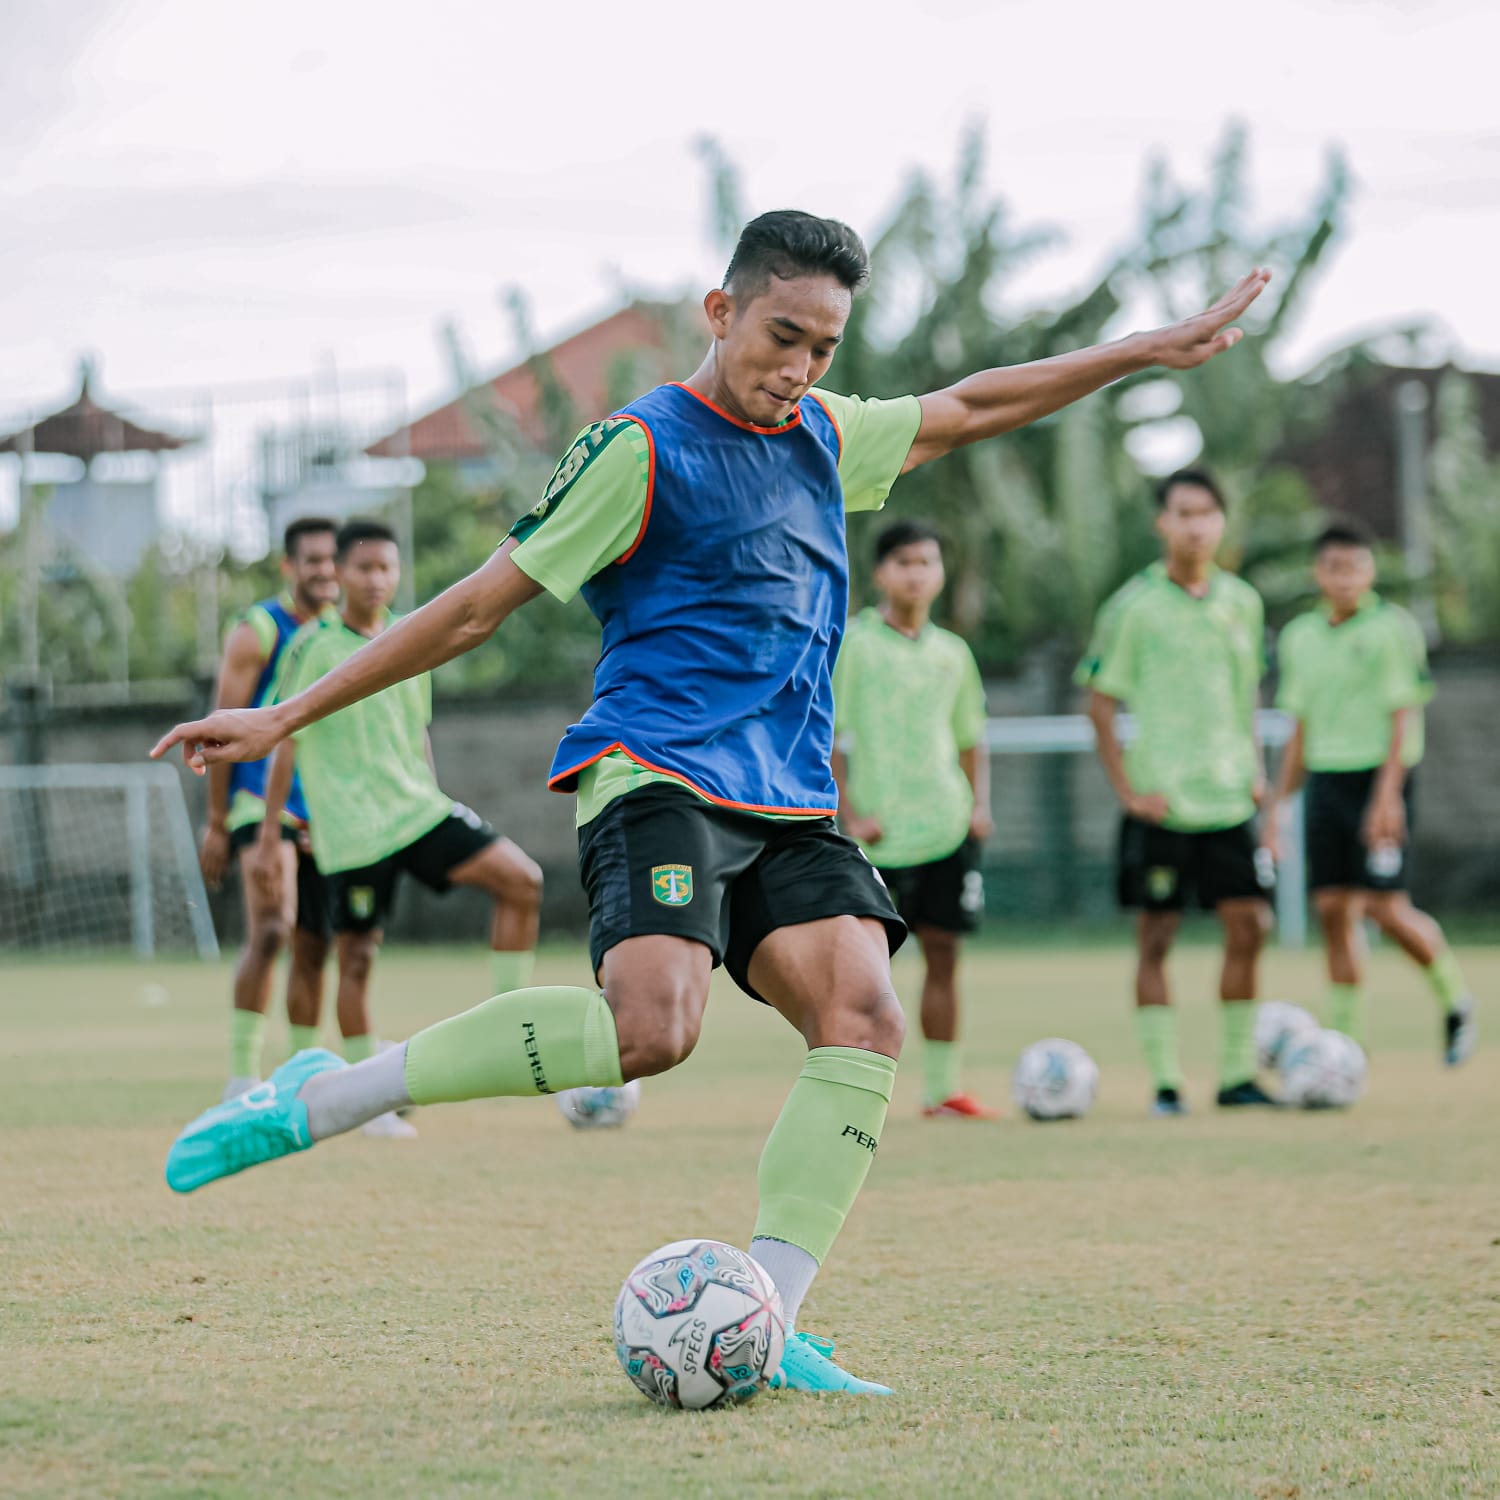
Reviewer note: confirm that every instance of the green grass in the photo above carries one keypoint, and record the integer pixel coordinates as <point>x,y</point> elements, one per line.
<point>1227,1305</point>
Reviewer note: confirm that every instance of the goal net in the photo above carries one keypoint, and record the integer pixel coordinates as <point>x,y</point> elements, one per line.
<point>99,857</point>
<point>1052,858</point>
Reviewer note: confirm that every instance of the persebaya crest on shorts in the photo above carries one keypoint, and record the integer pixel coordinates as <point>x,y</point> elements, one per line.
<point>722,626</point>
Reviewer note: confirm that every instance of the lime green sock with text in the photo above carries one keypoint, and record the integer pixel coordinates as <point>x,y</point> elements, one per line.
<point>537,1041</point>
<point>820,1149</point>
<point>1156,1026</point>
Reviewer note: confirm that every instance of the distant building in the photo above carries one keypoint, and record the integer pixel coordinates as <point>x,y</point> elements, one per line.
<point>589,374</point>
<point>110,513</point>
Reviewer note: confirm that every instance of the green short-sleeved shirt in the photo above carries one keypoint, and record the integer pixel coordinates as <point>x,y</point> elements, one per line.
<point>369,788</point>
<point>605,477</point>
<point>903,709</point>
<point>1345,681</point>
<point>1187,669</point>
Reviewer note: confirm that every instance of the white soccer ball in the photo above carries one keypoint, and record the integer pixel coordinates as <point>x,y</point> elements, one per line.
<point>600,1109</point>
<point>1055,1080</point>
<point>1278,1024</point>
<point>1325,1070</point>
<point>699,1323</point>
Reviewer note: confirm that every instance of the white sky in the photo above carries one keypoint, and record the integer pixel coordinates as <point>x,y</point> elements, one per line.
<point>205,194</point>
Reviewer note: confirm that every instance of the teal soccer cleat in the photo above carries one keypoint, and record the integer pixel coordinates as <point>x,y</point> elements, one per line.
<point>806,1367</point>
<point>263,1123</point>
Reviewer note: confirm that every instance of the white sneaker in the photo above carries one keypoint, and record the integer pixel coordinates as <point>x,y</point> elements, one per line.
<point>237,1086</point>
<point>389,1126</point>
<point>1460,1033</point>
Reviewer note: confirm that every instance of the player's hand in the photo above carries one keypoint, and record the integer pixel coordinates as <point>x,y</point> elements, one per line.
<point>1270,837</point>
<point>213,855</point>
<point>1195,341</point>
<point>1149,807</point>
<point>981,824</point>
<point>266,870</point>
<point>230,734</point>
<point>865,830</point>
<point>1385,822</point>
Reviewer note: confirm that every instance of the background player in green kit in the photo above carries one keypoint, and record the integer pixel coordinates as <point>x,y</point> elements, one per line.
<point>1183,646</point>
<point>236,814</point>
<point>375,805</point>
<point>1354,675</point>
<point>914,781</point>
<point>704,524</point>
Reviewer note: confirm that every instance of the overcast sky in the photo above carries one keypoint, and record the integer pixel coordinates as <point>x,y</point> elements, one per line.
<point>205,194</point>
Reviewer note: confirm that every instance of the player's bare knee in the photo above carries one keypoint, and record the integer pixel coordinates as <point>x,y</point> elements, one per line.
<point>268,936</point>
<point>652,1044</point>
<point>1154,936</point>
<point>357,956</point>
<point>869,1017</point>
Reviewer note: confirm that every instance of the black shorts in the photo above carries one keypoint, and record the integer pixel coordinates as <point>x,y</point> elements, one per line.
<point>945,893</point>
<point>312,889</point>
<point>1334,808</point>
<point>662,860</point>
<point>1162,869</point>
<point>360,900</point>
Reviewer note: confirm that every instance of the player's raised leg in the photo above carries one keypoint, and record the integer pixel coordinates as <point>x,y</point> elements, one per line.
<point>514,881</point>
<point>831,979</point>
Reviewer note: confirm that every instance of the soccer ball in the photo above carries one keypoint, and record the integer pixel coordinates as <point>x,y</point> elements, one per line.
<point>1278,1024</point>
<point>1055,1080</point>
<point>600,1109</point>
<point>698,1324</point>
<point>1324,1070</point>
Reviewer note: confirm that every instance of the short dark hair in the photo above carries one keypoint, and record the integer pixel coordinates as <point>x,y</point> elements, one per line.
<point>1344,531</point>
<point>1200,477</point>
<point>904,534</point>
<point>788,243</point>
<point>305,526</point>
<point>351,533</point>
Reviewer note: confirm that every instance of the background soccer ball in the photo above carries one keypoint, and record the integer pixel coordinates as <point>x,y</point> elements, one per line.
<point>1055,1080</point>
<point>698,1323</point>
<point>1278,1024</point>
<point>1325,1070</point>
<point>600,1109</point>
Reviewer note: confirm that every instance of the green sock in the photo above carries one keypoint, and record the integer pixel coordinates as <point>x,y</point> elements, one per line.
<point>1236,1043</point>
<point>940,1063</point>
<point>247,1032</point>
<point>822,1145</point>
<point>511,971</point>
<point>537,1041</point>
<point>302,1037</point>
<point>1346,1010</point>
<point>358,1048</point>
<point>1447,980</point>
<point>1156,1025</point>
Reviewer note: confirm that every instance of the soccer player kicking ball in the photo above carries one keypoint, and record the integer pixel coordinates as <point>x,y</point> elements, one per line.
<point>914,781</point>
<point>294,908</point>
<point>1354,676</point>
<point>377,810</point>
<point>704,525</point>
<point>1182,646</point>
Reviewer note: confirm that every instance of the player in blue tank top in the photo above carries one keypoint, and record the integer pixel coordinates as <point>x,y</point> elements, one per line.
<point>704,524</point>
<point>252,651</point>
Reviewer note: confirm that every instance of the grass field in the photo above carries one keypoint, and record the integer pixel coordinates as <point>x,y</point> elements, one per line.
<point>1266,1305</point>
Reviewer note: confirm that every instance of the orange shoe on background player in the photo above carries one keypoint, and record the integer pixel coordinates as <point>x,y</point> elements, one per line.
<point>960,1107</point>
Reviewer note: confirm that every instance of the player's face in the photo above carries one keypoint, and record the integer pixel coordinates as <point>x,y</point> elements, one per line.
<point>311,573</point>
<point>911,576</point>
<point>1344,575</point>
<point>369,575</point>
<point>1191,524</point>
<point>772,348</point>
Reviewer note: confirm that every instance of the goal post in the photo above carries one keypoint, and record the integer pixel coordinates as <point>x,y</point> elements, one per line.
<point>1056,818</point>
<point>99,856</point>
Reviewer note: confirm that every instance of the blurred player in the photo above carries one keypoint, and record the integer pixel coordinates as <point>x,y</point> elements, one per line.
<point>914,781</point>
<point>704,525</point>
<point>375,805</point>
<point>236,812</point>
<point>1354,675</point>
<point>1182,645</point>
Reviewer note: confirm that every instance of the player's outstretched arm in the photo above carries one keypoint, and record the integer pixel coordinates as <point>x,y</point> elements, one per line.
<point>996,401</point>
<point>459,619</point>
